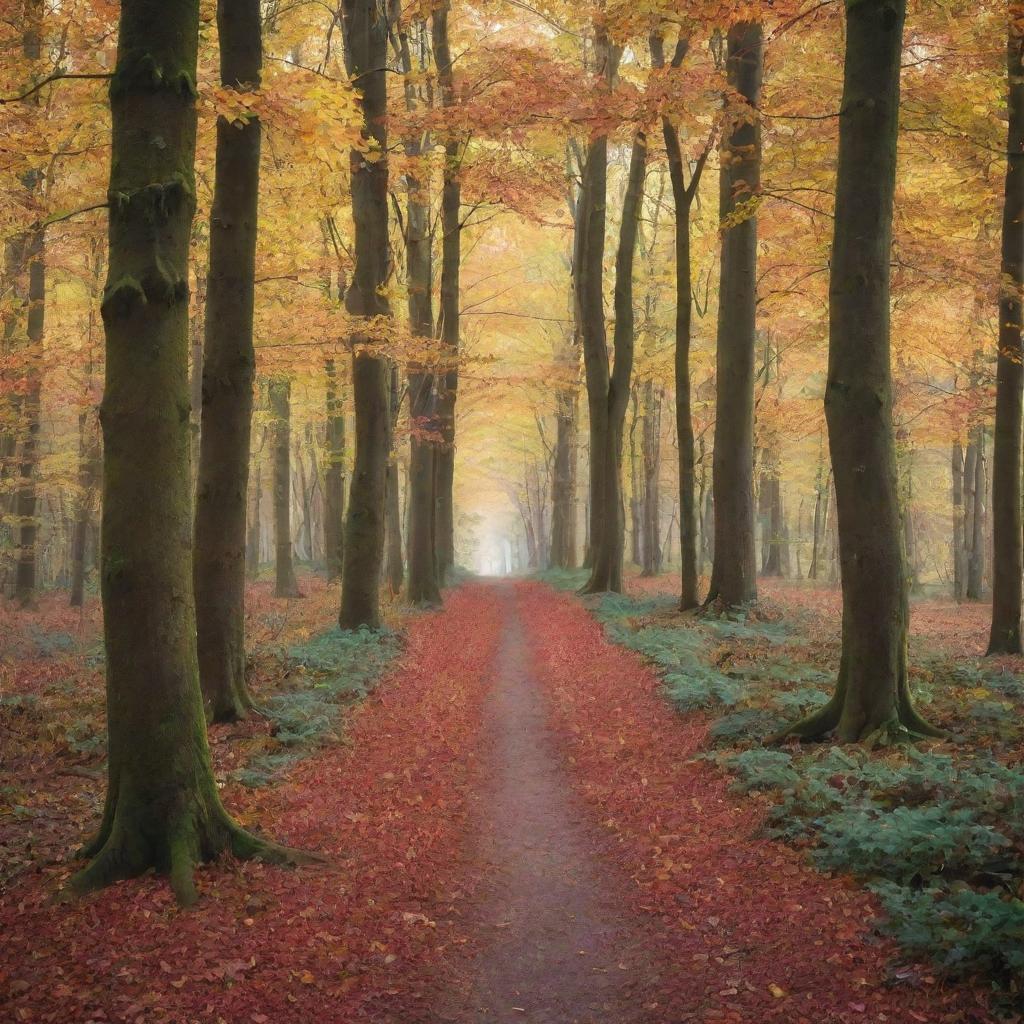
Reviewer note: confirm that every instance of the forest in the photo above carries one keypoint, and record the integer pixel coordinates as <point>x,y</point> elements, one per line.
<point>511,511</point>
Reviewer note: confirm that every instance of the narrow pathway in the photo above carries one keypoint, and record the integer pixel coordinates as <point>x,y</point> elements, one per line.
<point>556,947</point>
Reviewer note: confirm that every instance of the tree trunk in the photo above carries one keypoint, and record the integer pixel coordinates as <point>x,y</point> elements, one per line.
<point>394,570</point>
<point>1007,538</point>
<point>163,808</point>
<point>448,325</point>
<point>683,195</point>
<point>607,392</point>
<point>90,467</point>
<point>563,481</point>
<point>334,475</point>
<point>25,495</point>
<point>423,474</point>
<point>30,262</point>
<point>651,439</point>
<point>772,537</point>
<point>959,559</point>
<point>228,361</point>
<point>636,490</point>
<point>285,584</point>
<point>872,701</point>
<point>979,515</point>
<point>196,376</point>
<point>252,554</point>
<point>733,573</point>
<point>366,36</point>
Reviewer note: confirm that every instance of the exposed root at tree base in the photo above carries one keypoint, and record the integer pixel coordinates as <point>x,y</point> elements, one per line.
<point>826,723</point>
<point>123,853</point>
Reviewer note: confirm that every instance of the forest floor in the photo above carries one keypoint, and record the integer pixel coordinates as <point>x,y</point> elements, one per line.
<point>518,826</point>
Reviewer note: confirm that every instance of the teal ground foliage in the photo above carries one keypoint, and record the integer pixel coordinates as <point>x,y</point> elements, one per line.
<point>937,834</point>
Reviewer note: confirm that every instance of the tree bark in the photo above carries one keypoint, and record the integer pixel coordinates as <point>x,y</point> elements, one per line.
<point>733,573</point>
<point>683,194</point>
<point>90,467</point>
<point>163,808</point>
<point>773,536</point>
<point>334,475</point>
<point>252,554</point>
<point>228,360</point>
<point>959,558</point>
<point>423,498</point>
<point>652,470</point>
<point>978,517</point>
<point>563,480</point>
<point>872,701</point>
<point>636,490</point>
<point>285,584</point>
<point>448,324</point>
<point>1007,537</point>
<point>25,495</point>
<point>394,569</point>
<point>366,36</point>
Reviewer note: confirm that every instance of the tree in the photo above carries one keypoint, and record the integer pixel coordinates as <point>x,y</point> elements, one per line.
<point>448,324</point>
<point>423,498</point>
<point>683,193</point>
<point>229,366</point>
<point>334,473</point>
<point>872,701</point>
<point>163,809</point>
<point>733,572</point>
<point>366,37</point>
<point>28,252</point>
<point>608,392</point>
<point>279,392</point>
<point>1008,541</point>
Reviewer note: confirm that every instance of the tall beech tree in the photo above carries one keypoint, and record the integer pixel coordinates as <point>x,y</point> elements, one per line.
<point>589,269</point>
<point>279,392</point>
<point>422,586</point>
<point>229,366</point>
<point>26,256</point>
<point>366,38</point>
<point>872,701</point>
<point>448,322</point>
<point>734,570</point>
<point>394,567</point>
<point>334,472</point>
<point>564,461</point>
<point>163,809</point>
<point>1007,538</point>
<point>608,390</point>
<point>683,193</point>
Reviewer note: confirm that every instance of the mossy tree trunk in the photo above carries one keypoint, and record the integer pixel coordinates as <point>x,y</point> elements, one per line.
<point>279,391</point>
<point>366,35</point>
<point>448,325</point>
<point>872,702</point>
<point>734,570</point>
<point>229,366</point>
<point>1008,541</point>
<point>162,809</point>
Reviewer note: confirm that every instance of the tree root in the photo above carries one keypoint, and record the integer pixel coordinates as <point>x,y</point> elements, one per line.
<point>118,853</point>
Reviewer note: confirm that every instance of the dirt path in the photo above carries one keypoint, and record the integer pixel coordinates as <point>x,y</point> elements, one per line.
<point>555,945</point>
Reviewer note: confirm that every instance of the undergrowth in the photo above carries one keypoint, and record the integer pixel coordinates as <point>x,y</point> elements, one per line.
<point>937,835</point>
<point>322,676</point>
